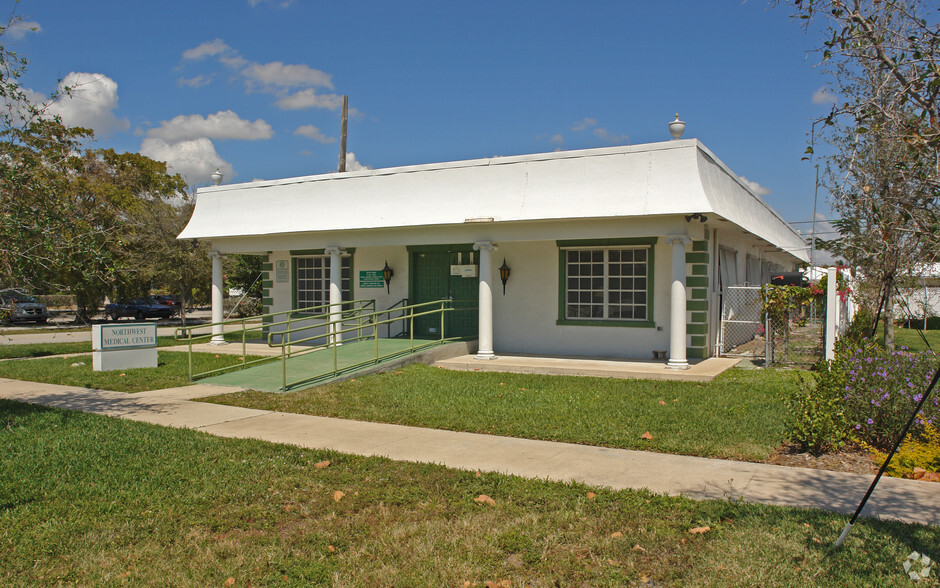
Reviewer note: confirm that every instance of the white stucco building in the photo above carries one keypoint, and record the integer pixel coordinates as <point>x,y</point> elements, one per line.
<point>614,252</point>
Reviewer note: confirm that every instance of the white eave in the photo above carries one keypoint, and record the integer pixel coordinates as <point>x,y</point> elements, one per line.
<point>674,177</point>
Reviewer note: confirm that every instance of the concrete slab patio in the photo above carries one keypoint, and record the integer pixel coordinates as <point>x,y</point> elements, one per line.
<point>693,477</point>
<point>699,371</point>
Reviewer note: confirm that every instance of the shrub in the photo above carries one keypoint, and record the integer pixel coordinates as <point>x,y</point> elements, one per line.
<point>816,418</point>
<point>248,307</point>
<point>921,453</point>
<point>57,300</point>
<point>880,390</point>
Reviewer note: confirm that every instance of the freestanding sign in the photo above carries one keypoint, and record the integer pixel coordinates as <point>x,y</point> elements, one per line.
<point>118,347</point>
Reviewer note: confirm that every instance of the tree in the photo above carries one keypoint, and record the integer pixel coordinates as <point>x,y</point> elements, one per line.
<point>244,273</point>
<point>90,221</point>
<point>885,134</point>
<point>163,259</point>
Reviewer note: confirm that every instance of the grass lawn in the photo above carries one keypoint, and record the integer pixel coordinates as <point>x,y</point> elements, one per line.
<point>82,504</point>
<point>172,370</point>
<point>19,350</point>
<point>912,340</point>
<point>738,416</point>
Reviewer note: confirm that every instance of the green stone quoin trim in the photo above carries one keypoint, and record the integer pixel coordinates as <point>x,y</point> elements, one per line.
<point>697,283</point>
<point>613,242</point>
<point>695,352</point>
<point>267,267</point>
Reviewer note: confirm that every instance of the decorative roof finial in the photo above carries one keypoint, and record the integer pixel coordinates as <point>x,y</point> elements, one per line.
<point>676,127</point>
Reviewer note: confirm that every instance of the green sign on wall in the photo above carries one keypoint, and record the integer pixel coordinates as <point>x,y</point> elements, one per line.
<point>371,279</point>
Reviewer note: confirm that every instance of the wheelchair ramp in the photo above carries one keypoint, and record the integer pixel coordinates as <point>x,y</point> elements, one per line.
<point>320,366</point>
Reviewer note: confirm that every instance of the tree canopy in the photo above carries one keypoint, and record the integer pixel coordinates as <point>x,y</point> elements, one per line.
<point>884,131</point>
<point>75,218</point>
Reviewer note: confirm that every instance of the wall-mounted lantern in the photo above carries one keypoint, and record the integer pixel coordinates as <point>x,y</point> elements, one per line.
<point>504,272</point>
<point>387,274</point>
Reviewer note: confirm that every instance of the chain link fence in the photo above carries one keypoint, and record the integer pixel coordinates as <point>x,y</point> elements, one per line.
<point>797,340</point>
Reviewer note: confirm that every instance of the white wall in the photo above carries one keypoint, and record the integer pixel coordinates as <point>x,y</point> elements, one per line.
<point>524,319</point>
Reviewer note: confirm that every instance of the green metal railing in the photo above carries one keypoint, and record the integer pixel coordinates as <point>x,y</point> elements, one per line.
<point>352,311</point>
<point>397,307</point>
<point>408,313</point>
<point>358,321</point>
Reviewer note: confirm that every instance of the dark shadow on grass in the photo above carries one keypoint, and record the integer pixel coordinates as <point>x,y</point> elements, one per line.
<point>893,498</point>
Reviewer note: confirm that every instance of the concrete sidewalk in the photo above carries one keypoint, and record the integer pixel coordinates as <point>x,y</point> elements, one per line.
<point>692,477</point>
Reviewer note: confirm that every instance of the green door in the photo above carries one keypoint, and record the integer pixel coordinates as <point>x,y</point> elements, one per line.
<point>431,280</point>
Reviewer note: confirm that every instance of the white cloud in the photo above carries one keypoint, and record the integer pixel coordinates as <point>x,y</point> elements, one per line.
<point>278,3</point>
<point>196,81</point>
<point>352,164</point>
<point>207,49</point>
<point>583,124</point>
<point>823,96</point>
<point>280,75</point>
<point>314,133</point>
<point>18,30</point>
<point>308,98</point>
<point>607,136</point>
<point>557,139</point>
<point>755,187</point>
<point>90,103</point>
<point>216,48</point>
<point>224,124</point>
<point>194,159</point>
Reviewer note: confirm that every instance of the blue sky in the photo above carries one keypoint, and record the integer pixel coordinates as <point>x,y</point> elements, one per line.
<point>253,86</point>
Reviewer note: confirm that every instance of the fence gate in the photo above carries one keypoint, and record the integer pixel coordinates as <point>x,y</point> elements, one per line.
<point>741,322</point>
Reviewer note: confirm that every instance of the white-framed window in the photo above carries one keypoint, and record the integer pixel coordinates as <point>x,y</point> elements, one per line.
<point>312,279</point>
<point>607,283</point>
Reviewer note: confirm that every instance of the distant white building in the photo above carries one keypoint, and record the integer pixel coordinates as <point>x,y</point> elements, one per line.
<point>614,252</point>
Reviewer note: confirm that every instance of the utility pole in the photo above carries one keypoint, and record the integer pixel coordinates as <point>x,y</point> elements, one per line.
<point>342,140</point>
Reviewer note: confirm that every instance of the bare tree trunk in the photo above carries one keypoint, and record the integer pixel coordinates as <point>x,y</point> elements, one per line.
<point>889,315</point>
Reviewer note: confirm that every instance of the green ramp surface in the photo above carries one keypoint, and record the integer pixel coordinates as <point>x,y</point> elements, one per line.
<point>319,366</point>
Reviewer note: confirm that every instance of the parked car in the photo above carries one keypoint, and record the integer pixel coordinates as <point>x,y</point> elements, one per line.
<point>139,308</point>
<point>167,299</point>
<point>17,306</point>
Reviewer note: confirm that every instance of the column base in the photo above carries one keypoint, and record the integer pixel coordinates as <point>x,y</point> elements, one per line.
<point>677,365</point>
<point>218,340</point>
<point>485,355</point>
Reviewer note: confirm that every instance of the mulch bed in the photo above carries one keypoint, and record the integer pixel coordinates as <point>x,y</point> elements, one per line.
<point>849,459</point>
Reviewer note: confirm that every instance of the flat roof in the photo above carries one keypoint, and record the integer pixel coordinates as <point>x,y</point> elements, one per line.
<point>667,178</point>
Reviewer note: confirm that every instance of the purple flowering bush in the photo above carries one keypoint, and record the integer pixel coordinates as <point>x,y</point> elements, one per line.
<point>878,390</point>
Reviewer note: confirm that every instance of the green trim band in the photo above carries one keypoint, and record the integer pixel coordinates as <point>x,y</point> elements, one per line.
<point>696,282</point>
<point>696,257</point>
<point>590,323</point>
<point>615,242</point>
<point>700,245</point>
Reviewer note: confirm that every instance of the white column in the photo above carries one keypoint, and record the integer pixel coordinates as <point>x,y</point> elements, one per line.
<point>485,350</point>
<point>336,292</point>
<point>832,312</point>
<point>677,307</point>
<point>217,285</point>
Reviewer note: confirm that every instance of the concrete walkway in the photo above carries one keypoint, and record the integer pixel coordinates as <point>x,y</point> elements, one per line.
<point>698,478</point>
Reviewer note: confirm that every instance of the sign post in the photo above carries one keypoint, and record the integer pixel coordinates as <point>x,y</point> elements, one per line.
<point>118,347</point>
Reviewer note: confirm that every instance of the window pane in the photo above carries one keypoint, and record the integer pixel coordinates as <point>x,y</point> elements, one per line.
<point>606,283</point>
